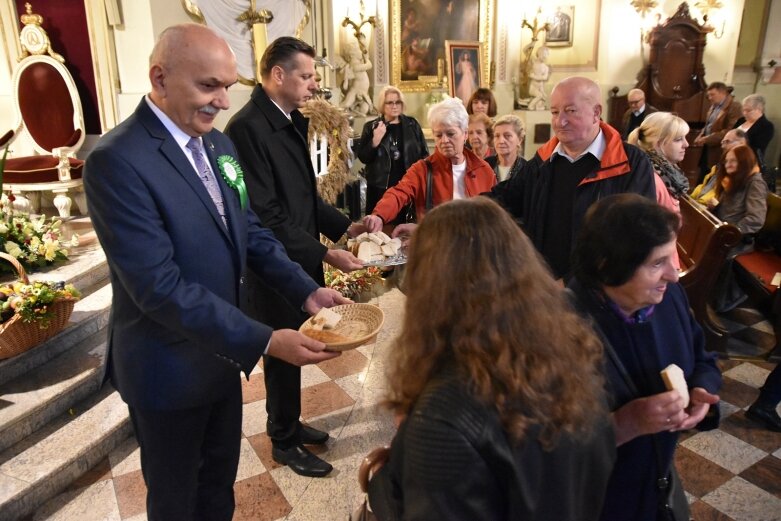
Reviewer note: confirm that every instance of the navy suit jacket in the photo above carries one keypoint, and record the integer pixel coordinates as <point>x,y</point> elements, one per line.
<point>177,338</point>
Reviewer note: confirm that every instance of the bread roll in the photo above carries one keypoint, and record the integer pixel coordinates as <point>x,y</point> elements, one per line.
<point>674,379</point>
<point>367,249</point>
<point>326,319</point>
<point>325,336</point>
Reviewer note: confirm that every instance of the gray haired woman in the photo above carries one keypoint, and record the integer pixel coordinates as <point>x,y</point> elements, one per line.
<point>508,139</point>
<point>759,130</point>
<point>757,127</point>
<point>456,172</point>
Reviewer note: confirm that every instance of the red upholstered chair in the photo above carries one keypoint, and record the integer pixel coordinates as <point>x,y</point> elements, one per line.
<point>49,119</point>
<point>757,269</point>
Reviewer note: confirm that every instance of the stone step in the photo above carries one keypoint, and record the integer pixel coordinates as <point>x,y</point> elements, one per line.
<point>35,398</point>
<point>44,464</point>
<point>55,420</point>
<point>90,315</point>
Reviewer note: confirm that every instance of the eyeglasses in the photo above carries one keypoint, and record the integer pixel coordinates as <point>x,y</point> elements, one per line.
<point>727,141</point>
<point>635,102</point>
<point>397,103</point>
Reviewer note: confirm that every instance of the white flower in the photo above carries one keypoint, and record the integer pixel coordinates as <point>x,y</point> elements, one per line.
<point>39,224</point>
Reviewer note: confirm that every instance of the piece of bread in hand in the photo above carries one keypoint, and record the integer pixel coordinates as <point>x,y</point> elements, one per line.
<point>674,379</point>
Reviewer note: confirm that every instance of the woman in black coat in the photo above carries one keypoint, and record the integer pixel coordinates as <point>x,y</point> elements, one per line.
<point>759,130</point>
<point>389,145</point>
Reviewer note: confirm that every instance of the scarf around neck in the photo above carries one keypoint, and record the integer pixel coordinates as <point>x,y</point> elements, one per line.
<point>674,179</point>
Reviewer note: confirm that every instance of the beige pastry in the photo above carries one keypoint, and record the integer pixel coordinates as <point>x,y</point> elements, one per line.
<point>674,379</point>
<point>325,319</point>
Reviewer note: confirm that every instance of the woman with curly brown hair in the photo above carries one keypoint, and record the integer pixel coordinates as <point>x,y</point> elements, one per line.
<point>498,380</point>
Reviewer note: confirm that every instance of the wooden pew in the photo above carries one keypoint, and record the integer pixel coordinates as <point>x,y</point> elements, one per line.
<point>703,244</point>
<point>755,270</point>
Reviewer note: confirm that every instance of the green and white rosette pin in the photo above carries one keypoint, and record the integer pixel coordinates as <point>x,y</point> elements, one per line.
<point>233,174</point>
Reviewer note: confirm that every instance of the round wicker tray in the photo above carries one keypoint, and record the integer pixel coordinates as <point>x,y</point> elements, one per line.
<point>17,336</point>
<point>360,324</point>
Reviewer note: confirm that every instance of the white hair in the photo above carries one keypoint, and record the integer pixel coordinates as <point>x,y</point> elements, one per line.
<point>450,112</point>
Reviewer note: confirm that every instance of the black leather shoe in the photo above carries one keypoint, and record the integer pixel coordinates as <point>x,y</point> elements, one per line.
<point>766,415</point>
<point>301,461</point>
<point>312,436</point>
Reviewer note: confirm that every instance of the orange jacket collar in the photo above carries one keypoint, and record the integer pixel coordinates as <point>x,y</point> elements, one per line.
<point>614,160</point>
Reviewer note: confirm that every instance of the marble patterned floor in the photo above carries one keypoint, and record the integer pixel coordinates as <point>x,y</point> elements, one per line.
<point>733,473</point>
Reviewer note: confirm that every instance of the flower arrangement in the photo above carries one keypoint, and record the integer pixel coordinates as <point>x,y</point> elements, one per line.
<point>34,241</point>
<point>33,301</point>
<point>354,283</point>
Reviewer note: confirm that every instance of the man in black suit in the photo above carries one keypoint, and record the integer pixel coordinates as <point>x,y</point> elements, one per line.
<point>636,112</point>
<point>271,136</point>
<point>165,204</point>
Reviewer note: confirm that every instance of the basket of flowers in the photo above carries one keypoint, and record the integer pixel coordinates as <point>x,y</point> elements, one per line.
<point>31,313</point>
<point>353,284</point>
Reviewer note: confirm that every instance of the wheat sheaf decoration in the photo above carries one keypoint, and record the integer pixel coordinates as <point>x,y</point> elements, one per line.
<point>327,120</point>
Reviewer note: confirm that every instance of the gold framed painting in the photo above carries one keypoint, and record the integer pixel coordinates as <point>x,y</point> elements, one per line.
<point>465,68</point>
<point>420,29</point>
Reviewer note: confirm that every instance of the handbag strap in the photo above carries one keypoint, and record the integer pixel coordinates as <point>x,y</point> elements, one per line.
<point>429,185</point>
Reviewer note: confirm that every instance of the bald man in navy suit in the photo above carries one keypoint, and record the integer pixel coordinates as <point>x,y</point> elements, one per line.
<point>166,204</point>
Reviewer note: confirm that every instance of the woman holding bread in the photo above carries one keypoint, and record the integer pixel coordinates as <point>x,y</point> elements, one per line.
<point>497,425</point>
<point>456,172</point>
<point>630,289</point>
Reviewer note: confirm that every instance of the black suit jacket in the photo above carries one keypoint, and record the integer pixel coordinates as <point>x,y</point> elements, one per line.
<point>283,192</point>
<point>177,338</point>
<point>649,109</point>
<point>759,134</point>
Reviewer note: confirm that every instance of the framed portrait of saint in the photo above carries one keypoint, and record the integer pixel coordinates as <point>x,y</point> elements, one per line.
<point>464,65</point>
<point>420,29</point>
<point>561,27</point>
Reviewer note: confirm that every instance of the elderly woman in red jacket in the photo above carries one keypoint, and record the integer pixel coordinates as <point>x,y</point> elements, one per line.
<point>456,172</point>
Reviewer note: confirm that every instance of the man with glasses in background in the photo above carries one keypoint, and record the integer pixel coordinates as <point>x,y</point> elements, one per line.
<point>636,112</point>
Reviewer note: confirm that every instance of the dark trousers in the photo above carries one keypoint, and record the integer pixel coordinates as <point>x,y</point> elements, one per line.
<point>770,392</point>
<point>189,459</point>
<point>283,402</point>
<point>705,163</point>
